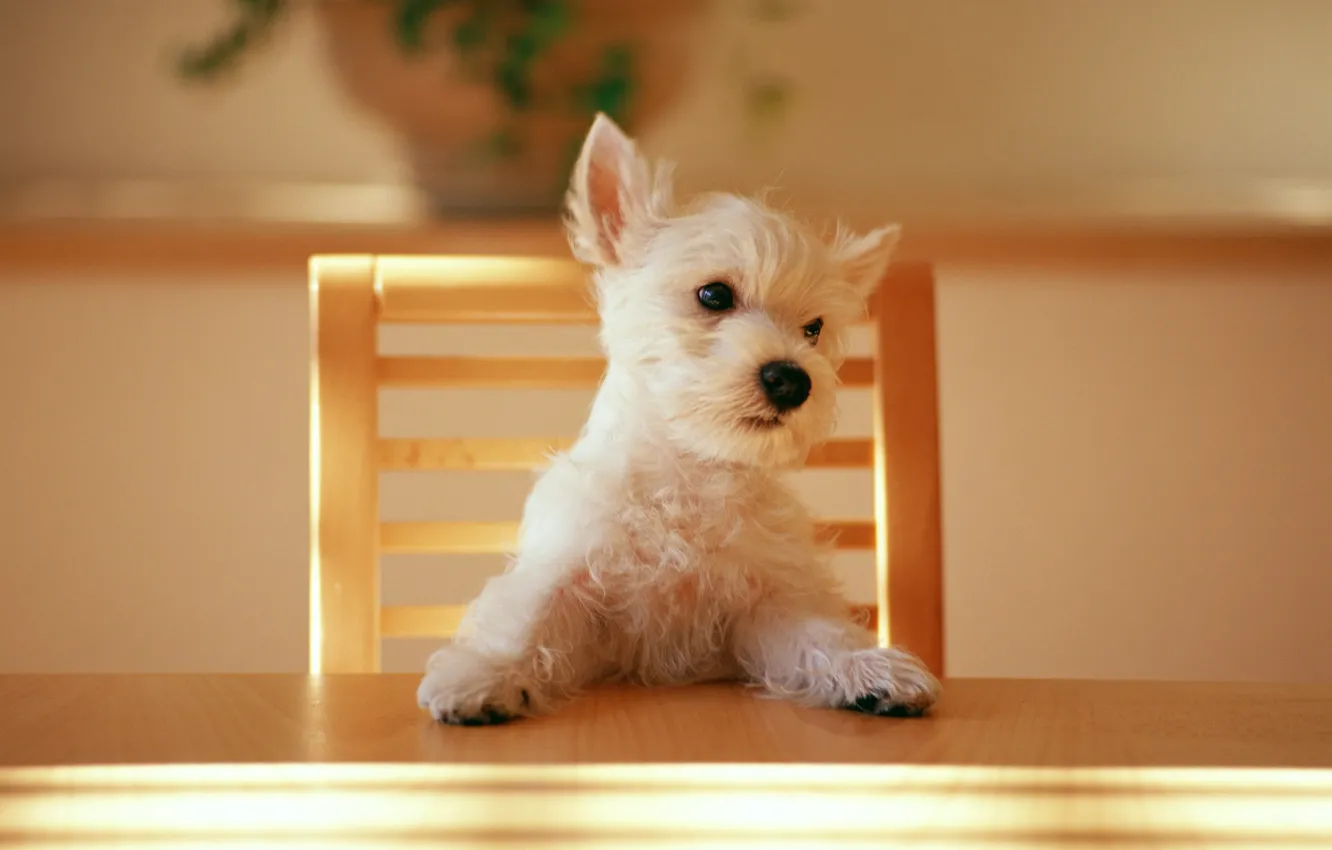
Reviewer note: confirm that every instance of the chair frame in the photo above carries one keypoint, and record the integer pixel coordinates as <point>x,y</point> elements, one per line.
<point>352,295</point>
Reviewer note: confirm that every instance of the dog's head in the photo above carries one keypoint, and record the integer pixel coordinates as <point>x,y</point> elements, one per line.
<point>728,314</point>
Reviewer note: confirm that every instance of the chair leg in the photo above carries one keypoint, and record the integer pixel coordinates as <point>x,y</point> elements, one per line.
<point>908,544</point>
<point>344,472</point>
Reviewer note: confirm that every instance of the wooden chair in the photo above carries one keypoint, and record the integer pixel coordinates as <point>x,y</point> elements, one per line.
<point>350,296</point>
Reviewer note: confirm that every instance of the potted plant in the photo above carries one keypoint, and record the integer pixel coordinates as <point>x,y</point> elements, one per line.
<point>488,97</point>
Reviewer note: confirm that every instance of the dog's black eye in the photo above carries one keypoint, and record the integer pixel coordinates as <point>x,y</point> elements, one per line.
<point>812,331</point>
<point>716,296</point>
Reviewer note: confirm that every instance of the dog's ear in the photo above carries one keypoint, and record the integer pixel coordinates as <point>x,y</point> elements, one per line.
<point>611,197</point>
<point>863,260</point>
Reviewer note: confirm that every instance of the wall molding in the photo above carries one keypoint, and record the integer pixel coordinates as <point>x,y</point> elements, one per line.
<point>153,226</point>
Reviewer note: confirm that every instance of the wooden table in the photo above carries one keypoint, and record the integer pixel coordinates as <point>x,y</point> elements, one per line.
<point>351,761</point>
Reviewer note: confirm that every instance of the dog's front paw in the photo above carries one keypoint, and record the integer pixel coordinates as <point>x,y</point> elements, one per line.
<point>894,684</point>
<point>465,688</point>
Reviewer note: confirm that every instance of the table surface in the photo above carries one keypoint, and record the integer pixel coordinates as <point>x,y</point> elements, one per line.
<point>188,718</point>
<point>1000,763</point>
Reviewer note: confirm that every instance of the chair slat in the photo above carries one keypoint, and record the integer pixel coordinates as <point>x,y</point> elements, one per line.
<point>509,290</point>
<point>453,538</point>
<point>488,538</point>
<point>480,453</point>
<point>533,372</point>
<point>848,534</point>
<point>420,621</point>
<point>491,372</point>
<point>842,454</point>
<point>476,453</point>
<point>484,290</point>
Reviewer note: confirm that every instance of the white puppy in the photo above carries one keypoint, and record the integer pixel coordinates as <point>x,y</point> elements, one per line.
<point>664,547</point>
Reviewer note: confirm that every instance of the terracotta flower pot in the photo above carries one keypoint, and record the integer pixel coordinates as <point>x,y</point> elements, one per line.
<point>444,114</point>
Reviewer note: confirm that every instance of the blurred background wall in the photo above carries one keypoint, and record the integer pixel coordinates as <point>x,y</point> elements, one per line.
<point>1137,458</point>
<point>888,94</point>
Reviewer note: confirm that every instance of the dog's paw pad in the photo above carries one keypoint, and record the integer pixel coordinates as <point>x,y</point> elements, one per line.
<point>881,706</point>
<point>487,716</point>
<point>892,683</point>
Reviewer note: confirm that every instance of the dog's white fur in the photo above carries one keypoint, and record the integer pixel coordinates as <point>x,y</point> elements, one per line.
<point>663,547</point>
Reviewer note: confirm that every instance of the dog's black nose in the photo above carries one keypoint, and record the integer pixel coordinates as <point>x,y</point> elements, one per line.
<point>785,384</point>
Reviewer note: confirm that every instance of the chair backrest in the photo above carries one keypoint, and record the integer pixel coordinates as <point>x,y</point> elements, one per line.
<point>350,296</point>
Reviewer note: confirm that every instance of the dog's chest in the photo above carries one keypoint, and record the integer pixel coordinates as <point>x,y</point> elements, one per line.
<point>679,526</point>
<point>677,551</point>
<point>671,565</point>
<point>669,588</point>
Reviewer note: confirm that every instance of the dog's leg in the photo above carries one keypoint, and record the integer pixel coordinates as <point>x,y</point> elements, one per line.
<point>521,650</point>
<point>823,659</point>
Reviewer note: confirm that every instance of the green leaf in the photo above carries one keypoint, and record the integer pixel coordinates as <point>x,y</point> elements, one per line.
<point>549,22</point>
<point>612,89</point>
<point>470,33</point>
<point>513,79</point>
<point>218,54</point>
<point>522,47</point>
<point>410,20</point>
<point>253,21</point>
